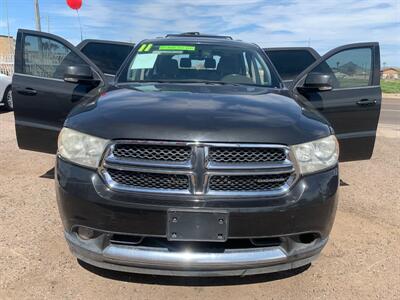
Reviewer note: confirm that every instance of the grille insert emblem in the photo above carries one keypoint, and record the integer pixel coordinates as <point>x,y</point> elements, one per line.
<point>266,180</point>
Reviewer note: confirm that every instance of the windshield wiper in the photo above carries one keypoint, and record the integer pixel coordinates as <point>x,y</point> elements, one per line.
<point>186,81</point>
<point>207,82</point>
<point>216,82</point>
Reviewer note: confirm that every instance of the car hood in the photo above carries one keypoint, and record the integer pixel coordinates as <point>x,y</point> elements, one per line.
<point>239,114</point>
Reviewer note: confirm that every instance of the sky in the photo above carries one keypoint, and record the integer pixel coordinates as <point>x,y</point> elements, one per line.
<point>323,24</point>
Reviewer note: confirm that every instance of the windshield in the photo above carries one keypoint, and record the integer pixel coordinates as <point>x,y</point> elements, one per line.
<point>198,63</point>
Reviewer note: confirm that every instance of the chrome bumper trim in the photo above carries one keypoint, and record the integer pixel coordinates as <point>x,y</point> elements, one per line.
<point>152,257</point>
<point>158,261</point>
<point>207,273</point>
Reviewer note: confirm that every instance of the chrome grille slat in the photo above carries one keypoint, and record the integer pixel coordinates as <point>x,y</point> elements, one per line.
<point>248,183</point>
<point>240,155</point>
<point>198,168</point>
<point>152,152</point>
<point>143,180</point>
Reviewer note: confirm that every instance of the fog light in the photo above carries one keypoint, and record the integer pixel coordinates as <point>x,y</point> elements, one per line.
<point>85,233</point>
<point>308,238</point>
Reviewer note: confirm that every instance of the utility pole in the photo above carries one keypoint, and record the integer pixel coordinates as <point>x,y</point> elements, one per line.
<point>48,23</point>
<point>10,42</point>
<point>37,16</point>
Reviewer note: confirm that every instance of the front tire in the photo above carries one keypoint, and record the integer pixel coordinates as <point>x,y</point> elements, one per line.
<point>8,99</point>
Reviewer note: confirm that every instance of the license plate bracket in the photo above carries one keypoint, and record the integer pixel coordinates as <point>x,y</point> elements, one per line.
<point>197,225</point>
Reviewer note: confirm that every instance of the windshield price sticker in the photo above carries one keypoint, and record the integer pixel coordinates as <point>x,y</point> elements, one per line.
<point>144,61</point>
<point>176,48</point>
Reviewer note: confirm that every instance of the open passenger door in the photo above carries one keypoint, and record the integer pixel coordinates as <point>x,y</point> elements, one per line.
<point>344,86</point>
<point>51,77</point>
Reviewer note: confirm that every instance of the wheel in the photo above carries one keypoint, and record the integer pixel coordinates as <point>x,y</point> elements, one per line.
<point>8,99</point>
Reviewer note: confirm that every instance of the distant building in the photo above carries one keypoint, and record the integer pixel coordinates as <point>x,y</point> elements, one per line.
<point>390,73</point>
<point>7,45</point>
<point>7,48</point>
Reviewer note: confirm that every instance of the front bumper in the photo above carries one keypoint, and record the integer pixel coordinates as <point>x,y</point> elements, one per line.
<point>160,261</point>
<point>84,200</point>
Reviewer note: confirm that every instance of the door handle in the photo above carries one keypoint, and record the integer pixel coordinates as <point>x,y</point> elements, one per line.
<point>366,102</point>
<point>27,92</point>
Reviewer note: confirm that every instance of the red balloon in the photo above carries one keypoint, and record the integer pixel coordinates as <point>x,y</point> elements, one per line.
<point>74,4</point>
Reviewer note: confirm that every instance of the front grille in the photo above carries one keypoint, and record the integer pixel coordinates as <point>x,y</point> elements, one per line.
<point>152,152</point>
<point>241,155</point>
<point>248,183</point>
<point>143,180</point>
<point>198,168</point>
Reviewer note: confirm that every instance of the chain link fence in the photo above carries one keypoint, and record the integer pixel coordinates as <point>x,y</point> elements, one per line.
<point>7,64</point>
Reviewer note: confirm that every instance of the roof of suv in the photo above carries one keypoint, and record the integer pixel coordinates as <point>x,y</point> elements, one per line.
<point>198,34</point>
<point>201,38</point>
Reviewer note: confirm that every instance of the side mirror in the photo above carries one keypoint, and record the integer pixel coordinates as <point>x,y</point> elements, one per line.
<point>316,82</point>
<point>78,73</point>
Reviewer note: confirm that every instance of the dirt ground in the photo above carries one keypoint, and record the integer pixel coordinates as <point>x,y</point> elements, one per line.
<point>361,260</point>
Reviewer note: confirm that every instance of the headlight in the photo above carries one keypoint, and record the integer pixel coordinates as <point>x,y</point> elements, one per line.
<point>317,155</point>
<point>80,148</point>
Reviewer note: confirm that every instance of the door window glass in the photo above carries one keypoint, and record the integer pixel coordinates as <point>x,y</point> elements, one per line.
<point>48,58</point>
<point>108,57</point>
<point>290,63</point>
<point>348,68</point>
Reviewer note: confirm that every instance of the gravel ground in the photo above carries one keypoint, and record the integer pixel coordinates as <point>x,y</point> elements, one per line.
<point>360,261</point>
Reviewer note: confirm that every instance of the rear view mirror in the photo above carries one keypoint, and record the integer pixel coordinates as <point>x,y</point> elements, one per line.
<point>316,82</point>
<point>78,73</point>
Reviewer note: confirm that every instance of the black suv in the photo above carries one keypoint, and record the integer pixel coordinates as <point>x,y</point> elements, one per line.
<point>195,159</point>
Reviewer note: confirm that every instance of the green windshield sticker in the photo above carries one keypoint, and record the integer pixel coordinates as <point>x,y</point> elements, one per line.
<point>148,47</point>
<point>142,47</point>
<point>176,47</point>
